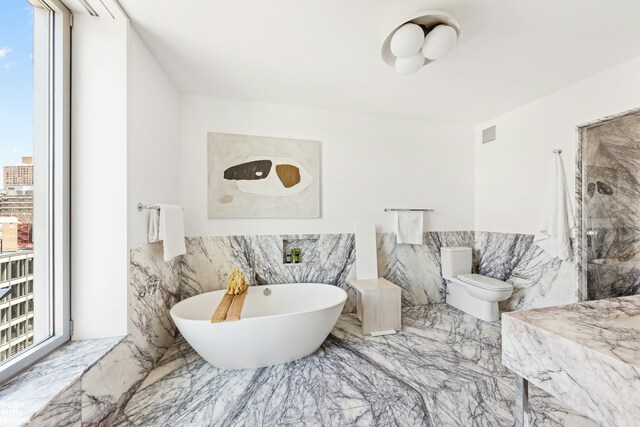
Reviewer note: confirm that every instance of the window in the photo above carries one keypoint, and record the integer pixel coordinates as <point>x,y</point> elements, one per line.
<point>34,183</point>
<point>14,270</point>
<point>4,271</point>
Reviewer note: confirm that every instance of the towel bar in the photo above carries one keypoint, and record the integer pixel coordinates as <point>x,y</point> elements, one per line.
<point>141,207</point>
<point>406,210</point>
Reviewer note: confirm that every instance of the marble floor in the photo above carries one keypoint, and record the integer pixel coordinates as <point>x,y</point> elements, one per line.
<point>443,370</point>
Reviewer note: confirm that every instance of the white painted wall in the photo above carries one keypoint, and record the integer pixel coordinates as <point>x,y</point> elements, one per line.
<point>511,173</point>
<point>153,152</point>
<point>99,263</point>
<point>367,163</point>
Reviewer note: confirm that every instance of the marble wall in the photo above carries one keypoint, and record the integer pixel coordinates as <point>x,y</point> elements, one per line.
<point>102,391</point>
<point>538,280</point>
<point>326,258</point>
<point>329,258</point>
<point>610,207</point>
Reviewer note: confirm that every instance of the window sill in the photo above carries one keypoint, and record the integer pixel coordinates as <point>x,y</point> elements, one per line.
<point>30,391</point>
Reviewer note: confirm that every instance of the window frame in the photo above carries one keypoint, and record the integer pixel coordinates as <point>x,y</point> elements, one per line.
<point>59,194</point>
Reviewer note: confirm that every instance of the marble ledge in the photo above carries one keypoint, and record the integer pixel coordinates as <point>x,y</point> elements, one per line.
<point>585,354</point>
<point>32,390</point>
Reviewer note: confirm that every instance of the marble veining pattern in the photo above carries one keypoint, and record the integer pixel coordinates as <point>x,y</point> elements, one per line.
<point>150,327</point>
<point>51,377</point>
<point>111,381</point>
<point>585,354</point>
<point>443,369</point>
<point>417,268</point>
<point>608,186</point>
<point>64,411</point>
<point>538,280</point>
<point>330,259</point>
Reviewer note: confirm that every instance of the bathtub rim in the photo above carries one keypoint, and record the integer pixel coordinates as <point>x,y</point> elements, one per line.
<point>343,300</point>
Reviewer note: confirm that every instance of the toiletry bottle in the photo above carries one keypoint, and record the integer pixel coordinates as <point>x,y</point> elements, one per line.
<point>296,255</point>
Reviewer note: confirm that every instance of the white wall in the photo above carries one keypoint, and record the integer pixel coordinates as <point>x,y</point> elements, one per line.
<point>99,263</point>
<point>153,151</point>
<point>368,163</point>
<point>511,173</point>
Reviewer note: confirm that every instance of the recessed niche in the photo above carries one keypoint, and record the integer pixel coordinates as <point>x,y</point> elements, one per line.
<point>309,251</point>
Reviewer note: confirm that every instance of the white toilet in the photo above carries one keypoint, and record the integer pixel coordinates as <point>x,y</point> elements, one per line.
<point>474,294</point>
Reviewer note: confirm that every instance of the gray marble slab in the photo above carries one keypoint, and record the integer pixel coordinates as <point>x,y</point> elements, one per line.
<point>57,374</point>
<point>64,411</point>
<point>586,354</point>
<point>417,268</point>
<point>607,195</point>
<point>443,369</point>
<point>538,280</point>
<point>327,258</point>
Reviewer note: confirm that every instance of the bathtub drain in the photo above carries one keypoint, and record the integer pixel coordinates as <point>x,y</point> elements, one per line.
<point>267,292</point>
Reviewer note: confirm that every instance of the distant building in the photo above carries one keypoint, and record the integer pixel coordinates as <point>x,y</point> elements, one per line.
<point>20,207</point>
<point>17,177</point>
<point>19,190</point>
<point>8,234</point>
<point>16,199</point>
<point>16,303</point>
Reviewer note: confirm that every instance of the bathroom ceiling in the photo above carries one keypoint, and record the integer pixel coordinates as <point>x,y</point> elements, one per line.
<point>326,54</point>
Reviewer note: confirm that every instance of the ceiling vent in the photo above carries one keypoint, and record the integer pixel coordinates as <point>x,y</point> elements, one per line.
<point>489,134</point>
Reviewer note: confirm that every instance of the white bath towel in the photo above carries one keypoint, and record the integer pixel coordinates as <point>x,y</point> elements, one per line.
<point>167,225</point>
<point>409,227</point>
<point>556,219</point>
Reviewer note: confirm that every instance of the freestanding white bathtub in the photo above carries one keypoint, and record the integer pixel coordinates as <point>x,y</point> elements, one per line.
<point>289,323</point>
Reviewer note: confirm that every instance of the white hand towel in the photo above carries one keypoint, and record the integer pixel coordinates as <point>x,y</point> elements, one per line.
<point>409,227</point>
<point>556,219</point>
<point>154,226</point>
<point>172,231</point>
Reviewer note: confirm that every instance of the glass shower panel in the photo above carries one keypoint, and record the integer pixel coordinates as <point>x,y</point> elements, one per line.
<point>611,208</point>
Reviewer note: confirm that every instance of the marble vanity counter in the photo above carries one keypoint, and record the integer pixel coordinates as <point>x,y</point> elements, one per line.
<point>585,354</point>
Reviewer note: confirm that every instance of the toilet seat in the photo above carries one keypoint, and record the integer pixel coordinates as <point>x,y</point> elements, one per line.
<point>484,282</point>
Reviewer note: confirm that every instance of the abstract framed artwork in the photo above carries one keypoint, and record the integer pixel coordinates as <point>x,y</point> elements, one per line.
<point>262,177</point>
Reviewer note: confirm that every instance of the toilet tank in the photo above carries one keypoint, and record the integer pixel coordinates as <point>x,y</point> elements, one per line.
<point>455,261</point>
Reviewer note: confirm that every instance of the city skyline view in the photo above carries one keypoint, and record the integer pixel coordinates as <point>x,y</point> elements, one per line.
<point>16,82</point>
<point>16,196</point>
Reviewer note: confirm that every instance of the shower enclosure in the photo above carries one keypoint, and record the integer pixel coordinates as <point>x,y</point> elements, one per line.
<point>608,200</point>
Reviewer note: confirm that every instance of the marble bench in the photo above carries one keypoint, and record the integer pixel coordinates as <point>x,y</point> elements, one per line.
<point>378,306</point>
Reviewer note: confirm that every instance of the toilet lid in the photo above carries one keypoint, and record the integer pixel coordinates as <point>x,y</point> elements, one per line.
<point>485,282</point>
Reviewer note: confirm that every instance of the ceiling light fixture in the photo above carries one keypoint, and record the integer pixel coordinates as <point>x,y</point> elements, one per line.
<point>426,37</point>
